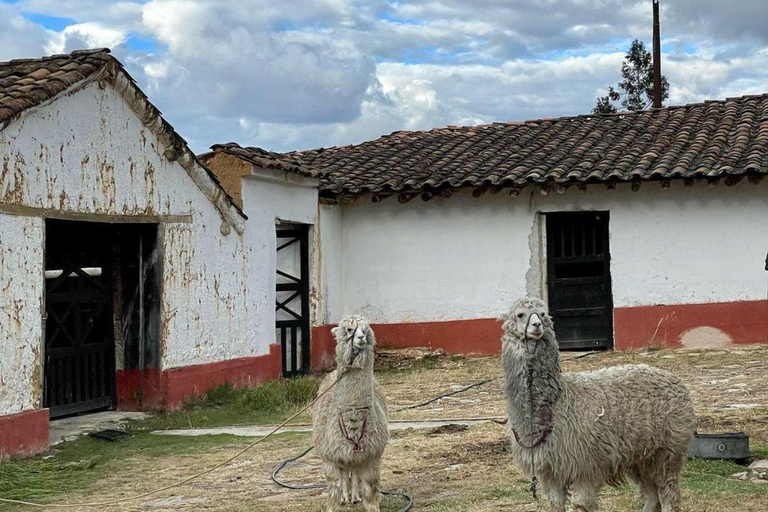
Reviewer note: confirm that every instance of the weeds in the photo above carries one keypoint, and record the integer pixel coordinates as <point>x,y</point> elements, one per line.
<point>226,405</point>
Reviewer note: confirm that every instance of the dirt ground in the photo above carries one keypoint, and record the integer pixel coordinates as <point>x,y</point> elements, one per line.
<point>466,468</point>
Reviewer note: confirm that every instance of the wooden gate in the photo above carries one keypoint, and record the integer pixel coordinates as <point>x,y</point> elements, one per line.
<point>579,280</point>
<point>79,331</point>
<point>292,299</point>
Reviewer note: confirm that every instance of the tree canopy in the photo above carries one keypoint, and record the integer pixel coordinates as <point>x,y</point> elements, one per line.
<point>636,87</point>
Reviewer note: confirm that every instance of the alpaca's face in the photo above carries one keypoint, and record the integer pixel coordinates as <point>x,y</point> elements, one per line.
<point>354,337</point>
<point>528,319</point>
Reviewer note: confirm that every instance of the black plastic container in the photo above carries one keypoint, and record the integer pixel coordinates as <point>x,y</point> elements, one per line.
<point>730,446</point>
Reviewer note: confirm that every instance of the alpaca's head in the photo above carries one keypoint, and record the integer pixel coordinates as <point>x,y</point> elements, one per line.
<point>354,342</point>
<point>528,320</point>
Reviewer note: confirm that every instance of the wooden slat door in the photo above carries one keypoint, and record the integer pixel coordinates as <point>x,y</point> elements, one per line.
<point>579,280</point>
<point>79,330</point>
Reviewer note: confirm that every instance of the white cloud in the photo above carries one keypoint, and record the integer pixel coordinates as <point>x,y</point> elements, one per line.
<point>19,38</point>
<point>288,74</point>
<point>85,35</point>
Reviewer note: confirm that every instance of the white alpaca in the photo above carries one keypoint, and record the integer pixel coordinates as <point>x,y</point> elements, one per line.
<point>349,424</point>
<point>591,428</point>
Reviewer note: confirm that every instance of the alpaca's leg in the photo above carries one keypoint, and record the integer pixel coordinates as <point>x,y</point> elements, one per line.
<point>334,475</point>
<point>666,478</point>
<point>650,494</point>
<point>368,481</point>
<point>555,492</point>
<point>346,486</point>
<point>669,494</point>
<point>354,481</point>
<point>584,497</point>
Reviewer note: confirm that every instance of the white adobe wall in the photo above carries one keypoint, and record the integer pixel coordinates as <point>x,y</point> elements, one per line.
<point>462,258</point>
<point>328,244</point>
<point>444,259</point>
<point>269,197</point>
<point>21,283</point>
<point>87,152</point>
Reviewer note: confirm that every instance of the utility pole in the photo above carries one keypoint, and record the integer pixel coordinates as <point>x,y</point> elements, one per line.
<point>656,56</point>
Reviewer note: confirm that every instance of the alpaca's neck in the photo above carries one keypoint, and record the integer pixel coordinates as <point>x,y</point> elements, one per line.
<point>533,386</point>
<point>355,387</point>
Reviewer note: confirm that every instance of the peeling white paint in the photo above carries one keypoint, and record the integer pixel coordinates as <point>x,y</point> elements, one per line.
<point>21,293</point>
<point>87,154</point>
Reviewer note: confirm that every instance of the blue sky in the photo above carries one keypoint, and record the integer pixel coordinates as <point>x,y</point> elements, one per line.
<point>292,74</point>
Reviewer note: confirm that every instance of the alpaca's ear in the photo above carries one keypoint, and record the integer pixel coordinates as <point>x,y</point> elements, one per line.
<point>510,324</point>
<point>370,337</point>
<point>337,331</point>
<point>506,319</point>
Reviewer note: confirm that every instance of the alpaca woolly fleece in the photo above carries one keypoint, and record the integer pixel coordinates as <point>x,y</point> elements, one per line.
<point>349,424</point>
<point>598,427</point>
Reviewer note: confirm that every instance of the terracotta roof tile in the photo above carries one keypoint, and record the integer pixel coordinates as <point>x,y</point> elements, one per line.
<point>268,159</point>
<point>25,83</point>
<point>710,139</point>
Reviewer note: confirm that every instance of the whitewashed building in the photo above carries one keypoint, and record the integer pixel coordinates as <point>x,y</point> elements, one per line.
<point>639,229</point>
<point>128,277</point>
<point>134,274</point>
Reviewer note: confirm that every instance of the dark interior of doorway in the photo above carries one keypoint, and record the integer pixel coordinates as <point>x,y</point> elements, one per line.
<point>579,279</point>
<point>102,310</point>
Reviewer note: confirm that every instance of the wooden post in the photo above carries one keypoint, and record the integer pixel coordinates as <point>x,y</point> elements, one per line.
<point>656,56</point>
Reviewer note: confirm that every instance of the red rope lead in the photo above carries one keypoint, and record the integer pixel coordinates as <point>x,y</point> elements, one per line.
<point>536,443</point>
<point>358,445</point>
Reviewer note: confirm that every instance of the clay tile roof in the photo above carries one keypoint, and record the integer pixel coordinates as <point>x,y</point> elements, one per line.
<point>710,139</point>
<point>287,162</point>
<point>25,83</point>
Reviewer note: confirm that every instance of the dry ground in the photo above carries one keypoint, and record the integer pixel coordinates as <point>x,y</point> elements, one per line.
<point>464,469</point>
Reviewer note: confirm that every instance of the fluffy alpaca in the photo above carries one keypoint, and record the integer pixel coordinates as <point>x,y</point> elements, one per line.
<point>591,428</point>
<point>349,424</point>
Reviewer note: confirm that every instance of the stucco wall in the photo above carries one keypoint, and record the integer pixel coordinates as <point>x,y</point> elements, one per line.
<point>328,244</point>
<point>88,156</point>
<point>21,290</point>
<point>462,258</point>
<point>271,196</point>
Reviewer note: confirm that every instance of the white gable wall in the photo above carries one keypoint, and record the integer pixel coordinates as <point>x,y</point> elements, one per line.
<point>87,154</point>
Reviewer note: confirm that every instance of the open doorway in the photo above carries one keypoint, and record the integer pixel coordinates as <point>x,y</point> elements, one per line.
<point>579,279</point>
<point>101,311</point>
<point>292,297</point>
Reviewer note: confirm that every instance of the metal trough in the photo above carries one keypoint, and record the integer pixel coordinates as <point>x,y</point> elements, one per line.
<point>730,445</point>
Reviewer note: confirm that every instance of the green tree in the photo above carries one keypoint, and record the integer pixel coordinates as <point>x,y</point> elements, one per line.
<point>636,86</point>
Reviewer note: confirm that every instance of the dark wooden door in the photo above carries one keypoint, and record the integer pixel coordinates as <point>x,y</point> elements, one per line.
<point>579,280</point>
<point>292,299</point>
<point>79,330</point>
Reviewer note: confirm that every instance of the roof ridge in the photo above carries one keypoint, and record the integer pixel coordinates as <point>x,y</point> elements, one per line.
<point>56,56</point>
<point>620,114</point>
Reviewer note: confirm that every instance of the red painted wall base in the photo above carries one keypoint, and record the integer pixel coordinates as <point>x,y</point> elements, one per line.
<point>481,337</point>
<point>743,322</point>
<point>151,389</point>
<point>322,348</point>
<point>478,337</point>
<point>664,326</point>
<point>24,434</point>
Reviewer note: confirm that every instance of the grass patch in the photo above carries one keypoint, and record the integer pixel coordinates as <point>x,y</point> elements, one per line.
<point>75,465</point>
<point>225,405</point>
